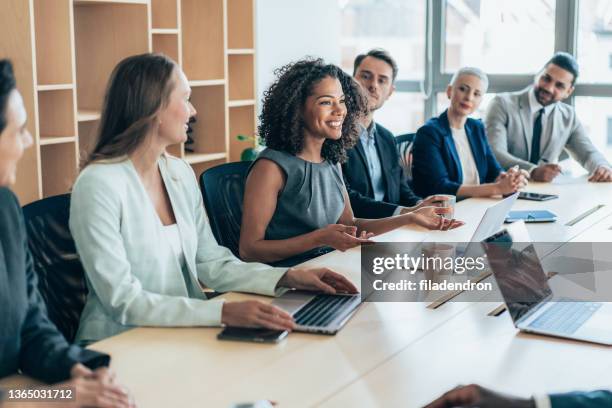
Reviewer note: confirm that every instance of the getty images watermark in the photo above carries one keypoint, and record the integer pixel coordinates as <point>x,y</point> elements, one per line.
<point>464,271</point>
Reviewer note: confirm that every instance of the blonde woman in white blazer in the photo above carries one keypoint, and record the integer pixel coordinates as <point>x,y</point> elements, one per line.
<point>140,227</point>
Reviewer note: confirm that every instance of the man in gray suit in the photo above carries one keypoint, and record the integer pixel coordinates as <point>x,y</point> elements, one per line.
<point>530,128</point>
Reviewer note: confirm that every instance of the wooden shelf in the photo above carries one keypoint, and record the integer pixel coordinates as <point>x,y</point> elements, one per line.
<point>242,122</point>
<point>65,50</point>
<point>87,137</point>
<point>195,158</point>
<point>210,129</point>
<point>164,14</point>
<point>106,33</point>
<point>85,2</point>
<point>56,113</point>
<point>49,140</point>
<point>164,31</point>
<point>167,44</point>
<point>240,51</point>
<point>239,103</point>
<point>52,25</point>
<point>59,167</point>
<point>87,115</point>
<point>240,23</point>
<point>58,87</point>
<point>241,77</point>
<point>203,38</point>
<point>209,82</point>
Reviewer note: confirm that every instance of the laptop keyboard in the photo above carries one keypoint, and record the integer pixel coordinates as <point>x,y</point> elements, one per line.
<point>322,310</point>
<point>565,317</point>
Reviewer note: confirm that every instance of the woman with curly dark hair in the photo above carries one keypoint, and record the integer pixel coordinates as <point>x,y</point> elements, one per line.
<point>295,200</point>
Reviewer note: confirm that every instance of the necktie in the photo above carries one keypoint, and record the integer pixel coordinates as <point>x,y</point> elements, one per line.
<point>535,141</point>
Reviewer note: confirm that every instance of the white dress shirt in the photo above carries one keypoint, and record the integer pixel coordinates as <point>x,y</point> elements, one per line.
<point>546,134</point>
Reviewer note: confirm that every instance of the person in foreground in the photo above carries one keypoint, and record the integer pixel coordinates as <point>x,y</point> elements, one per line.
<point>295,199</point>
<point>476,396</point>
<point>140,226</point>
<point>372,172</point>
<point>451,154</point>
<point>532,127</point>
<point>30,342</point>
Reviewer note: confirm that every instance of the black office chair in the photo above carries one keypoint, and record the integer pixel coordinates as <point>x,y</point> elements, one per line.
<point>223,190</point>
<point>404,146</point>
<point>61,278</point>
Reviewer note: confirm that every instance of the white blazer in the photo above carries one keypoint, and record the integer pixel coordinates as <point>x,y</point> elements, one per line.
<point>133,276</point>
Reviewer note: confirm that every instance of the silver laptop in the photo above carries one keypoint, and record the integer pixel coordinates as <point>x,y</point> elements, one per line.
<point>318,313</point>
<point>529,299</point>
<point>490,223</point>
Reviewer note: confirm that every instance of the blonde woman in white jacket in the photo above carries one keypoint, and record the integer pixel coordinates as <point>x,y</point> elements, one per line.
<point>140,227</point>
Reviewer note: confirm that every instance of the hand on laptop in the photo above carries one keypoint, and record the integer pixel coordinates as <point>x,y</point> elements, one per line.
<point>476,396</point>
<point>253,313</point>
<point>317,279</point>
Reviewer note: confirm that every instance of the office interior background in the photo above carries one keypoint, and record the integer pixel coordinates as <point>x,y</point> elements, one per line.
<point>64,74</point>
<point>509,40</point>
<point>64,51</point>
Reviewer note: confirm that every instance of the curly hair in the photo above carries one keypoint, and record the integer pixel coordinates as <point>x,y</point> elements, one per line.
<point>280,124</point>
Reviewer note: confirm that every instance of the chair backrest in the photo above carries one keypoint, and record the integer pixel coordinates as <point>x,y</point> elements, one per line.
<point>61,278</point>
<point>404,146</point>
<point>223,190</point>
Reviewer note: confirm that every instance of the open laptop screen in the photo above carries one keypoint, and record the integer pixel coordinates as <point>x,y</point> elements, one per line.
<point>517,270</point>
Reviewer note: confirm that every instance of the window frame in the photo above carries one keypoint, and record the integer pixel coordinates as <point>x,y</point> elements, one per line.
<point>435,80</point>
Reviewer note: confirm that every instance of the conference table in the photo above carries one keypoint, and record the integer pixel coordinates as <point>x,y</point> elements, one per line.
<point>389,354</point>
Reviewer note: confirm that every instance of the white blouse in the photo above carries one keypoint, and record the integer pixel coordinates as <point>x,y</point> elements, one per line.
<point>173,237</point>
<point>466,158</point>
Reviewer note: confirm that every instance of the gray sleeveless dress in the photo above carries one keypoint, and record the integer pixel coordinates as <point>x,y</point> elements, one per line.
<point>311,199</point>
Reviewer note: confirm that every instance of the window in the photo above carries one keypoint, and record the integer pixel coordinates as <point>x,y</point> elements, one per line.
<point>403,113</point>
<point>509,40</point>
<point>399,27</point>
<point>499,36</point>
<point>396,25</point>
<point>594,113</point>
<point>595,41</point>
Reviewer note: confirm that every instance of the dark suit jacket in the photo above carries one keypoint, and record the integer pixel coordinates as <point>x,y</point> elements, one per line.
<point>593,399</point>
<point>29,341</point>
<point>436,168</point>
<point>359,184</point>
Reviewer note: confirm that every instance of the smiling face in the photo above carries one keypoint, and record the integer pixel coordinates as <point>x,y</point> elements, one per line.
<point>376,77</point>
<point>324,110</point>
<point>465,94</point>
<point>14,139</point>
<point>174,117</point>
<point>554,84</point>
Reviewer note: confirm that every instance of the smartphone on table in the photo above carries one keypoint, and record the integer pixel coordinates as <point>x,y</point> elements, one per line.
<point>256,335</point>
